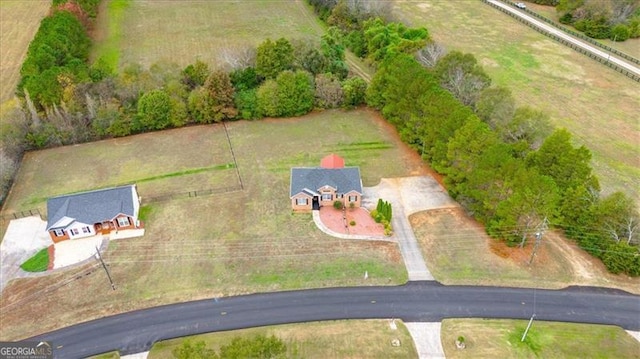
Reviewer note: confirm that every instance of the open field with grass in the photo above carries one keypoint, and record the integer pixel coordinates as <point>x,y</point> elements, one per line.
<point>240,242</point>
<point>155,161</point>
<point>458,251</point>
<point>181,32</point>
<point>598,105</point>
<point>336,339</point>
<point>490,338</point>
<point>19,22</point>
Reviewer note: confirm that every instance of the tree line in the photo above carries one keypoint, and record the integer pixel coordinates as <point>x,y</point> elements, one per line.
<point>66,100</point>
<point>505,164</point>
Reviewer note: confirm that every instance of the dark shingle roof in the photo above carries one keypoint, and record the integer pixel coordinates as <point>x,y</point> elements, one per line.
<point>343,179</point>
<point>92,207</point>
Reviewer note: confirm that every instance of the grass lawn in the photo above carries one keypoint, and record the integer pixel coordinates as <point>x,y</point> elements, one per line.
<point>163,162</point>
<point>598,105</point>
<point>458,251</point>
<point>38,263</point>
<point>489,338</point>
<point>19,22</point>
<point>150,31</point>
<point>335,339</point>
<point>216,245</point>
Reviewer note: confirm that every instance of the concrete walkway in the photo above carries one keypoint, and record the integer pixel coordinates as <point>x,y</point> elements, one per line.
<point>316,218</point>
<point>426,337</point>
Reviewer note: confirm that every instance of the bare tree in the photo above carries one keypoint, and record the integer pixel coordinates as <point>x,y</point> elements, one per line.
<point>237,57</point>
<point>430,54</point>
<point>466,87</point>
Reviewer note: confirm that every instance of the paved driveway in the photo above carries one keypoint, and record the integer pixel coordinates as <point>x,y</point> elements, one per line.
<point>24,238</point>
<point>407,196</point>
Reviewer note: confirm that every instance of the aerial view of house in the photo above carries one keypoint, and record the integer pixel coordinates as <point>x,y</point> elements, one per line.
<point>313,187</point>
<point>462,178</point>
<point>85,214</point>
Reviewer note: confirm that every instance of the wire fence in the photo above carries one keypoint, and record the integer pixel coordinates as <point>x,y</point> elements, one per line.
<point>604,61</point>
<point>21,214</point>
<point>192,194</point>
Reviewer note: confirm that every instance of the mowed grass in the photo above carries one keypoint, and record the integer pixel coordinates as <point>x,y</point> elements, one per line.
<point>183,31</point>
<point>19,22</point>
<point>490,338</point>
<point>598,105</point>
<point>335,339</point>
<point>163,162</point>
<point>38,262</point>
<point>458,251</point>
<point>220,245</point>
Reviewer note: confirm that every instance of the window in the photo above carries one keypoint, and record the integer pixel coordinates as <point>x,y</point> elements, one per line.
<point>302,201</point>
<point>340,195</point>
<point>58,232</point>
<point>327,197</point>
<point>353,198</point>
<point>75,231</point>
<point>86,230</point>
<point>123,221</point>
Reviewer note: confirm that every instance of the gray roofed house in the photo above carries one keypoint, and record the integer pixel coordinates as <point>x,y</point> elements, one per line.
<point>312,187</point>
<point>88,213</point>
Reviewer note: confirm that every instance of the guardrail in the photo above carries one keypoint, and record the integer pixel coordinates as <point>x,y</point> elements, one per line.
<point>578,34</point>
<point>600,59</point>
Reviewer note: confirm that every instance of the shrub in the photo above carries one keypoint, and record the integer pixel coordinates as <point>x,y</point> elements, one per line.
<point>337,204</point>
<point>352,223</point>
<point>154,111</point>
<point>621,257</point>
<point>354,89</point>
<point>620,32</point>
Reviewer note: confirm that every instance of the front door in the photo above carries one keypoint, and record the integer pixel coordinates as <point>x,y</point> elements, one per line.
<point>315,203</point>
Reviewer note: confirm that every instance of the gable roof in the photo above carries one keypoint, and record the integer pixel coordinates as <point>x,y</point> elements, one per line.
<point>305,179</point>
<point>91,207</point>
<point>332,161</point>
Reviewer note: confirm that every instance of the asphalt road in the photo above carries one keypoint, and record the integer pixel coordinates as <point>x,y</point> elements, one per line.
<point>425,301</point>
<point>548,28</point>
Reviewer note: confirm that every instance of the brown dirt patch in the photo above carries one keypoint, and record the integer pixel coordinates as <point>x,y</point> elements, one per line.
<point>458,251</point>
<point>340,221</point>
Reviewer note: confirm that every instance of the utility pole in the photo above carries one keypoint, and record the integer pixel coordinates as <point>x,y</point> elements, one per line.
<point>541,229</point>
<point>113,286</point>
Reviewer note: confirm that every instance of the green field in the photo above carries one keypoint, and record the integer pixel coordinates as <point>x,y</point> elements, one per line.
<point>220,245</point>
<point>337,339</point>
<point>181,32</point>
<point>19,22</point>
<point>492,338</point>
<point>598,105</point>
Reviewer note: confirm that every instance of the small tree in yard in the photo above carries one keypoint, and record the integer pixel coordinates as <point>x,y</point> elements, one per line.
<point>338,204</point>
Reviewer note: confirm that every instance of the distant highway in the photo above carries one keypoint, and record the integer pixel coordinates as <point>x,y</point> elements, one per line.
<point>424,301</point>
<point>548,28</point>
